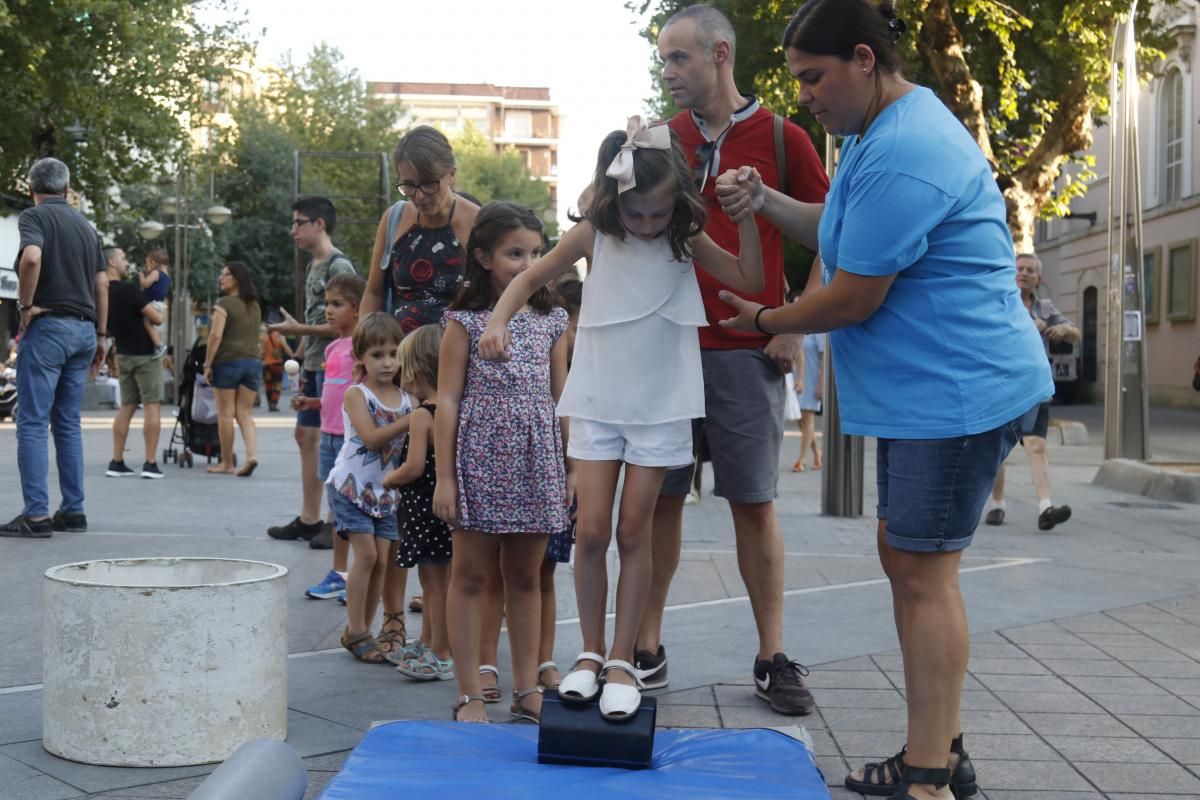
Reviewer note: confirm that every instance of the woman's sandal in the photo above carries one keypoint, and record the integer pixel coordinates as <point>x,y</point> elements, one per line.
<point>882,778</point>
<point>248,469</point>
<point>937,777</point>
<point>545,667</point>
<point>364,648</point>
<point>581,685</point>
<point>462,701</point>
<point>620,701</point>
<point>491,693</point>
<point>392,640</point>
<point>519,711</point>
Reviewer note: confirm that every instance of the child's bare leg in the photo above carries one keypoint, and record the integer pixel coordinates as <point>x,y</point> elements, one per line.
<point>375,588</point>
<point>596,491</point>
<point>358,583</point>
<point>521,559</point>
<point>474,556</point>
<point>435,581</point>
<point>492,619</point>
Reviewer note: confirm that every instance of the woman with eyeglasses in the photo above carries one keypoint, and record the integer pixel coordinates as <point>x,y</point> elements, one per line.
<point>424,258</point>
<point>933,350</point>
<point>416,270</point>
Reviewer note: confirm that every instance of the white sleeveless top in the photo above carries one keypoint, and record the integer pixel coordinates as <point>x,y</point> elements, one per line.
<point>637,352</point>
<point>358,473</point>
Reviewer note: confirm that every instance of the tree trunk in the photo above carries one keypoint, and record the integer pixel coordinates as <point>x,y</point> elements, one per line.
<point>1028,189</point>
<point>941,44</point>
<point>1069,131</point>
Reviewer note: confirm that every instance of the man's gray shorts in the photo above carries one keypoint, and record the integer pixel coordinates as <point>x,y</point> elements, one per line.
<point>743,399</point>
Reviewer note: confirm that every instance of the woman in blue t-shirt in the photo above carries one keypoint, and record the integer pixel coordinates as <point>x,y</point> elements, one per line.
<point>933,351</point>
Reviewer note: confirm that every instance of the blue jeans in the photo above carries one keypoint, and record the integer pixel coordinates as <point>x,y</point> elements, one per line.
<point>52,370</point>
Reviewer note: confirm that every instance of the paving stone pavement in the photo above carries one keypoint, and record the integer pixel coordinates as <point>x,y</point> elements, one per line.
<point>1084,678</point>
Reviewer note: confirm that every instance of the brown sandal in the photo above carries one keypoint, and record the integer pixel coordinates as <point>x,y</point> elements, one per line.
<point>364,648</point>
<point>518,709</point>
<point>390,641</point>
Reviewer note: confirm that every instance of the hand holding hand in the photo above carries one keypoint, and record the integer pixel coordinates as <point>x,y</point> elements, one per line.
<point>746,311</point>
<point>493,344</point>
<point>741,193</point>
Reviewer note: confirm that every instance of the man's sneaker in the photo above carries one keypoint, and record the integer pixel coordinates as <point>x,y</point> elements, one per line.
<point>780,682</point>
<point>296,529</point>
<point>1054,515</point>
<point>324,539</point>
<point>117,469</point>
<point>652,667</point>
<point>69,521</point>
<point>994,517</point>
<point>151,470</point>
<point>330,586</point>
<point>23,527</point>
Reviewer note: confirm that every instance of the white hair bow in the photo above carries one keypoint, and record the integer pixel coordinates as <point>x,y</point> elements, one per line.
<point>637,136</point>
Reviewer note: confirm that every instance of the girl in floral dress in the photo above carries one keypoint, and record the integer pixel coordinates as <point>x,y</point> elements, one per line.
<point>502,483</point>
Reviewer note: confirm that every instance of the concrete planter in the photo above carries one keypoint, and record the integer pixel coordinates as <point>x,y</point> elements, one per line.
<point>163,662</point>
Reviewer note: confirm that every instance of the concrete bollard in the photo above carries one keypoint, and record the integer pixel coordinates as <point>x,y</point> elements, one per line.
<point>263,769</point>
<point>163,662</point>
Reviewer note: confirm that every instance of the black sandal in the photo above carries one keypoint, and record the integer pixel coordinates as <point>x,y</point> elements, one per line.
<point>937,777</point>
<point>882,778</point>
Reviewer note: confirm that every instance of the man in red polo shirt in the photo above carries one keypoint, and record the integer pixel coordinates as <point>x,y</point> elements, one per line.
<point>744,374</point>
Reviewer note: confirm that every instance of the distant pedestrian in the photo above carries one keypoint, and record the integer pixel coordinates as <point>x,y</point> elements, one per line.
<point>131,317</point>
<point>1053,327</point>
<point>810,388</point>
<point>275,349</point>
<point>63,302</point>
<point>233,367</point>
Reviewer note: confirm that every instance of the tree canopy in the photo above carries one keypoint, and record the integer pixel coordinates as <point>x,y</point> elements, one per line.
<point>109,86</point>
<point>489,174</point>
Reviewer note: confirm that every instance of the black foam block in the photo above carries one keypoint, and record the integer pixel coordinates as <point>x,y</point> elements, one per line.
<point>576,734</point>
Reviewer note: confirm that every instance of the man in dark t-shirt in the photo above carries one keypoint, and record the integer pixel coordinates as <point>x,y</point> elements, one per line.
<point>138,365</point>
<point>63,299</point>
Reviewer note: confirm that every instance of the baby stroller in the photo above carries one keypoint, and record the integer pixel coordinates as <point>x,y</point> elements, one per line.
<point>197,415</point>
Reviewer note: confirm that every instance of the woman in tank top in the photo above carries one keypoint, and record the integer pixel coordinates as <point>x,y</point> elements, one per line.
<point>424,259</point>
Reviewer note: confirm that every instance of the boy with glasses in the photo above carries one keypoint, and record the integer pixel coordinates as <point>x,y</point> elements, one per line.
<point>313,222</point>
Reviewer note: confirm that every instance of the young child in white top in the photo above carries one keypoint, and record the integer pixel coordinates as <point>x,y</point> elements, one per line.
<point>375,414</point>
<point>635,382</point>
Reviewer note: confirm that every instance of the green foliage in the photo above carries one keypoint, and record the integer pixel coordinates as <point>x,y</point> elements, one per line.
<point>1023,54</point>
<point>491,175</point>
<point>131,75</point>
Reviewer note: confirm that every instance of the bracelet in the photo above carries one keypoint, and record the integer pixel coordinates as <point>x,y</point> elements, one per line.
<point>758,325</point>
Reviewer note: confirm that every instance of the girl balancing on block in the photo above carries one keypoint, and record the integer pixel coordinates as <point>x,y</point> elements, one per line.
<point>635,383</point>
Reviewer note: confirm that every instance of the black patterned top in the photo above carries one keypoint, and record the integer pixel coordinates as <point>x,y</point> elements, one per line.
<point>426,267</point>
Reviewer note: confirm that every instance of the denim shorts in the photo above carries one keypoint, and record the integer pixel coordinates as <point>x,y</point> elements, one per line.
<point>932,491</point>
<point>312,382</point>
<point>1040,425</point>
<point>327,453</point>
<point>350,519</point>
<point>238,372</point>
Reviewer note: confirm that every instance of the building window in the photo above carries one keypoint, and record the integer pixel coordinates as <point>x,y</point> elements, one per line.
<point>1150,261</point>
<point>1172,124</point>
<point>1181,281</point>
<point>518,124</point>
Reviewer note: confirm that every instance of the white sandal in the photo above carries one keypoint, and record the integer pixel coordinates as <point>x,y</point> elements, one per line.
<point>546,666</point>
<point>619,701</point>
<point>581,685</point>
<point>491,694</point>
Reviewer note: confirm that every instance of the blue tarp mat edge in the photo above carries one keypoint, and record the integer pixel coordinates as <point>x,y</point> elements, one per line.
<point>456,760</point>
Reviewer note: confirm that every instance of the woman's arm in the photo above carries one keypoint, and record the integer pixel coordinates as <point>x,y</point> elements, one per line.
<point>453,358</point>
<point>574,245</point>
<point>372,299</point>
<point>216,330</point>
<point>373,438</point>
<point>797,221</point>
<point>847,299</point>
<point>418,445</point>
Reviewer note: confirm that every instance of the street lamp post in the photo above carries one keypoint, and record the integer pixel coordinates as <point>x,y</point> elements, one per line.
<point>215,215</point>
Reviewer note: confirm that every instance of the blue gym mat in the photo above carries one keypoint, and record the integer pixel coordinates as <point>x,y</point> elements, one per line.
<point>457,760</point>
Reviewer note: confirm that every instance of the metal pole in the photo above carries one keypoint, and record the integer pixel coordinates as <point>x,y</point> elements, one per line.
<point>842,478</point>
<point>1112,297</point>
<point>179,307</point>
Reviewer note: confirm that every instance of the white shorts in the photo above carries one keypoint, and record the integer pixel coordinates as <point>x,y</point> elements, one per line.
<point>663,444</point>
